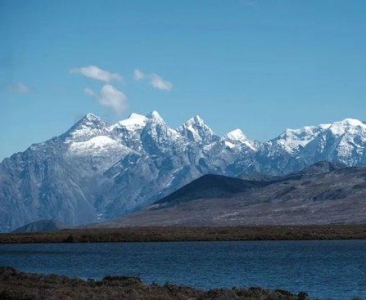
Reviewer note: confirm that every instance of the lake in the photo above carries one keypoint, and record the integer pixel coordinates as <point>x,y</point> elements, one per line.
<point>324,269</point>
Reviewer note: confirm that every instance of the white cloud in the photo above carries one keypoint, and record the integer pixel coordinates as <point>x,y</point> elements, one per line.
<point>138,75</point>
<point>155,80</point>
<point>159,83</point>
<point>110,97</point>
<point>20,88</point>
<point>96,73</point>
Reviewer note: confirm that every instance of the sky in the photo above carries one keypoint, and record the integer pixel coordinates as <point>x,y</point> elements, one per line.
<point>261,66</point>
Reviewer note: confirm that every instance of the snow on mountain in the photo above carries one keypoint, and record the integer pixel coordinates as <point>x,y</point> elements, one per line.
<point>96,146</point>
<point>88,127</point>
<point>133,122</point>
<point>235,137</point>
<point>343,141</point>
<point>292,140</point>
<point>196,130</point>
<point>156,117</point>
<point>351,126</point>
<point>96,171</point>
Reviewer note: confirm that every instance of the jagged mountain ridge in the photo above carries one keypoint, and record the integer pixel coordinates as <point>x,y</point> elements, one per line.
<point>95,171</point>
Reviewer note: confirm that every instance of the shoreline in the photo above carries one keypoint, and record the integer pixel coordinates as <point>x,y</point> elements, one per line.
<point>15,284</point>
<point>183,234</point>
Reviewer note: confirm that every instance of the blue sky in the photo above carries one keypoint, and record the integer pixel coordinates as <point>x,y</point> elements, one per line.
<point>260,66</point>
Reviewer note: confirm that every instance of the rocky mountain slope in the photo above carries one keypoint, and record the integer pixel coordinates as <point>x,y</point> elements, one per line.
<point>96,171</point>
<point>40,226</point>
<point>321,194</point>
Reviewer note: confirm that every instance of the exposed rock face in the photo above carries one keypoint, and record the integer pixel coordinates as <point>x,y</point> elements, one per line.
<point>95,171</point>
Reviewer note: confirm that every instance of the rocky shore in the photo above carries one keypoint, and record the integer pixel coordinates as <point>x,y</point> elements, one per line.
<point>17,285</point>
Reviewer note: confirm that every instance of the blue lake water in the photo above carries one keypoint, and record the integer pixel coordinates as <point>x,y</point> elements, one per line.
<point>324,269</point>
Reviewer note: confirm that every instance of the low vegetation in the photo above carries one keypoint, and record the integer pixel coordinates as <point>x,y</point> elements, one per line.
<point>16,285</point>
<point>165,234</point>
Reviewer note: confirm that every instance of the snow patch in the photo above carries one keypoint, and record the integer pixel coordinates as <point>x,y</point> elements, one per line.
<point>96,146</point>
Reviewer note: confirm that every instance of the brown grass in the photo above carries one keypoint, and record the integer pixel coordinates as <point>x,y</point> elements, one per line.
<point>165,234</point>
<point>16,285</point>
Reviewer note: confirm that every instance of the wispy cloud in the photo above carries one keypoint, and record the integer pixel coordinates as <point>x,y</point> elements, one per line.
<point>138,75</point>
<point>110,97</point>
<point>159,83</point>
<point>20,88</point>
<point>97,73</point>
<point>155,80</point>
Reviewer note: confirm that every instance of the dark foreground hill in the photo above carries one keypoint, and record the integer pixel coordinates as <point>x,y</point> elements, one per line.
<point>321,194</point>
<point>15,285</point>
<point>211,186</point>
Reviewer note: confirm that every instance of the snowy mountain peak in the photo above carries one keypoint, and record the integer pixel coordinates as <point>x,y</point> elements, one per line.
<point>195,129</point>
<point>197,123</point>
<point>301,133</point>
<point>195,120</point>
<point>91,117</point>
<point>90,120</point>
<point>154,115</point>
<point>89,126</point>
<point>236,135</point>
<point>136,116</point>
<point>134,121</point>
<point>351,122</point>
<point>348,123</point>
<point>294,139</point>
<point>351,126</point>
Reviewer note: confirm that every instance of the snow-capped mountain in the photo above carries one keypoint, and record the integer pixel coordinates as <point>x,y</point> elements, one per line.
<point>96,171</point>
<point>338,142</point>
<point>195,130</point>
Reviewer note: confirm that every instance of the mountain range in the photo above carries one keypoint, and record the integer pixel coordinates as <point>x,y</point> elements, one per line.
<point>96,171</point>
